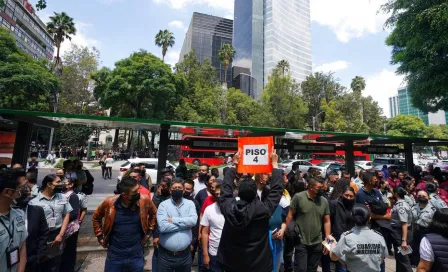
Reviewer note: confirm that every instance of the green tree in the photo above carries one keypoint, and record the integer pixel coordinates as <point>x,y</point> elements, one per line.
<point>284,66</point>
<point>61,26</point>
<point>76,81</point>
<point>334,119</point>
<point>406,125</point>
<point>226,55</point>
<point>25,83</point>
<point>373,116</point>
<point>317,87</point>
<point>243,108</point>
<point>419,48</point>
<point>358,85</point>
<point>281,99</point>
<point>76,135</point>
<point>141,83</point>
<point>165,39</point>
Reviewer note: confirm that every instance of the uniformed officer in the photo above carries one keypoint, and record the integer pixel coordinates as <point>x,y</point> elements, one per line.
<point>422,215</point>
<point>434,199</point>
<point>12,221</point>
<point>83,201</point>
<point>57,211</point>
<point>409,187</point>
<point>362,249</point>
<point>402,224</point>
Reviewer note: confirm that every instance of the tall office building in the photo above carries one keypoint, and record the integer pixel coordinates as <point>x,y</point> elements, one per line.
<point>206,35</point>
<point>268,31</point>
<point>31,34</point>
<point>393,106</point>
<point>405,106</point>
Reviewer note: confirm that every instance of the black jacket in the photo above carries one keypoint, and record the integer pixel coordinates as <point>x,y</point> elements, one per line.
<point>340,222</point>
<point>244,244</point>
<point>36,243</point>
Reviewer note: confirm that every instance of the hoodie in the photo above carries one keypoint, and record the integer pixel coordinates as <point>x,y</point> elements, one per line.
<point>244,244</point>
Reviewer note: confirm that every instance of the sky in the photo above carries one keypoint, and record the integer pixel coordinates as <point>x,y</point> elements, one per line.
<point>348,37</point>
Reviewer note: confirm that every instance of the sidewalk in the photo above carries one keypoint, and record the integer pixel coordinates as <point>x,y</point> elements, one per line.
<point>91,256</point>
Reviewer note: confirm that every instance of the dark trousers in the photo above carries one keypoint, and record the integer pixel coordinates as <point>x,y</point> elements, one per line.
<point>167,262</point>
<point>131,264</point>
<point>50,265</point>
<point>155,255</point>
<point>69,254</point>
<point>325,263</point>
<point>214,265</point>
<point>31,267</point>
<point>403,262</point>
<point>288,251</point>
<point>419,233</point>
<point>306,258</point>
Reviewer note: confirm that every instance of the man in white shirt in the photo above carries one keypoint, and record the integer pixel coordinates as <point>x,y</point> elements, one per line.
<point>199,183</point>
<point>212,222</point>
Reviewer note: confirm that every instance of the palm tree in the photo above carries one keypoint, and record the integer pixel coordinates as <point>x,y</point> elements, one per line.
<point>165,39</point>
<point>283,65</point>
<point>358,85</point>
<point>61,26</point>
<point>226,55</point>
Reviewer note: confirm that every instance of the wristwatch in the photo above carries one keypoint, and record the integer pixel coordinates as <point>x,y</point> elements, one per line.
<point>403,240</point>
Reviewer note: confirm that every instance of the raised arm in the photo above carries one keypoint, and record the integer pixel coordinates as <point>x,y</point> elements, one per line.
<point>275,194</point>
<point>226,199</point>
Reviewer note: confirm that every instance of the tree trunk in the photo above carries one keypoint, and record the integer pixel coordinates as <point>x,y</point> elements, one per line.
<point>129,140</point>
<point>115,143</point>
<point>153,135</point>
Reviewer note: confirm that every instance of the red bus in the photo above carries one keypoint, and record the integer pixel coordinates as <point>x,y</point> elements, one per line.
<point>212,151</point>
<point>338,156</point>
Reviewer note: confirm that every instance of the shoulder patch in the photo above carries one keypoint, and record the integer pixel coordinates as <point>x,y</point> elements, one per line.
<point>347,232</point>
<point>402,210</point>
<point>377,232</point>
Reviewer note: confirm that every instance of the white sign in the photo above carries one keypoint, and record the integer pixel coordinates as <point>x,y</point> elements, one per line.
<point>256,155</point>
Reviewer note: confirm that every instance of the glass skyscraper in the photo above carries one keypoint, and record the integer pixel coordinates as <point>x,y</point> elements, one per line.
<point>206,35</point>
<point>405,106</point>
<point>268,31</point>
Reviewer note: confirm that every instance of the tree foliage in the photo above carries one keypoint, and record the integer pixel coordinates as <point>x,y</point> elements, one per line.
<point>143,84</point>
<point>75,135</point>
<point>420,48</point>
<point>77,85</point>
<point>226,55</point>
<point>25,83</point>
<point>281,102</point>
<point>165,39</point>
<point>283,66</point>
<point>406,125</point>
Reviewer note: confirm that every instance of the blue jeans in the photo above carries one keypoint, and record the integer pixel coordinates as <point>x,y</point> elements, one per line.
<point>167,262</point>
<point>155,254</point>
<point>131,264</point>
<point>340,267</point>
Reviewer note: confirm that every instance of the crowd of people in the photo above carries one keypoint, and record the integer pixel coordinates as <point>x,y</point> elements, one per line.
<point>244,222</point>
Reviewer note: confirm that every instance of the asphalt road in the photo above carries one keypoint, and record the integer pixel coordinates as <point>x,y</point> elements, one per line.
<point>102,188</point>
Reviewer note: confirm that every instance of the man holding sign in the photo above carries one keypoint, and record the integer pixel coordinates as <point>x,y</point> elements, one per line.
<point>244,244</point>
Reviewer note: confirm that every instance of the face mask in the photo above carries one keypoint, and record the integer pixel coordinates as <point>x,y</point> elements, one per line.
<point>61,177</point>
<point>348,202</point>
<point>135,198</point>
<point>387,188</point>
<point>177,194</point>
<point>165,192</point>
<point>187,195</point>
<point>203,177</point>
<point>422,200</point>
<point>320,192</point>
<point>23,200</point>
<point>143,172</point>
<point>14,200</point>
<point>213,193</point>
<point>59,189</point>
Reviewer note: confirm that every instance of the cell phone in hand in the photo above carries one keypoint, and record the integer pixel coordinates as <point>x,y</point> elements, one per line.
<point>274,231</point>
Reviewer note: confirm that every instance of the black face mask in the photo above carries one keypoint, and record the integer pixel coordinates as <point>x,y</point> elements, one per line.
<point>177,194</point>
<point>213,193</point>
<point>203,177</point>
<point>320,192</point>
<point>143,172</point>
<point>348,202</point>
<point>135,198</point>
<point>187,195</point>
<point>59,189</point>
<point>422,200</point>
<point>61,177</point>
<point>387,188</point>
<point>22,201</point>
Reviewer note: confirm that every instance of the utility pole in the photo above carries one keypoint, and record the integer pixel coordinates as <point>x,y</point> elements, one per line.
<point>55,110</point>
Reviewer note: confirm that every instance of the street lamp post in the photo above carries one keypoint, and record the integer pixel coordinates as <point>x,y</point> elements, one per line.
<point>314,120</point>
<point>55,109</point>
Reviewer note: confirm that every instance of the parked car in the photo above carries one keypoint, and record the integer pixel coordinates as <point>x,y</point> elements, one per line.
<point>322,167</point>
<point>365,165</point>
<point>151,165</point>
<point>304,165</point>
<point>388,161</point>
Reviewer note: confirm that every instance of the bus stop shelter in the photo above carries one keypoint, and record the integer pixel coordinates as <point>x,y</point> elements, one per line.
<point>294,140</point>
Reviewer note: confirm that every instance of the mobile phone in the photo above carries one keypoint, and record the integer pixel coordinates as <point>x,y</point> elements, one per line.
<point>274,231</point>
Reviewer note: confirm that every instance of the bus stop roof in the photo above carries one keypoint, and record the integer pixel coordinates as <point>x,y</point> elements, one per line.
<point>49,119</point>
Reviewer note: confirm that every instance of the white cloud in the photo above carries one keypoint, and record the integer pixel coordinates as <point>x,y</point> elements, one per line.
<point>177,24</point>
<point>383,85</point>
<point>172,56</point>
<point>80,39</point>
<point>245,63</point>
<point>335,66</point>
<point>349,19</point>
<point>226,5</point>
